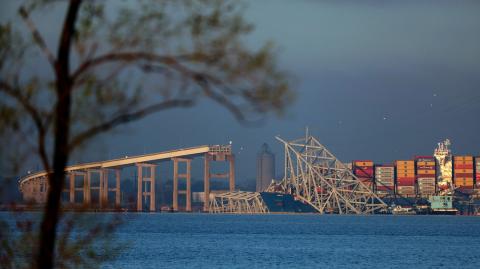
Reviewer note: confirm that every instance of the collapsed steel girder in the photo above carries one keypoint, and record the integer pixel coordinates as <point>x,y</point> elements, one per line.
<point>315,176</point>
<point>237,202</point>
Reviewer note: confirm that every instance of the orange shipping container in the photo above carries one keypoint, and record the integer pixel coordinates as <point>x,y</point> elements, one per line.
<point>463,179</point>
<point>463,171</point>
<point>463,183</point>
<point>405,170</point>
<point>456,164</point>
<point>467,157</point>
<point>359,163</point>
<point>404,162</point>
<point>426,172</point>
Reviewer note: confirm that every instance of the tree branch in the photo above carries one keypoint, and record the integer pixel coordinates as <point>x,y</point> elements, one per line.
<point>204,80</point>
<point>37,37</point>
<point>34,114</point>
<point>126,57</point>
<point>219,98</point>
<point>125,118</point>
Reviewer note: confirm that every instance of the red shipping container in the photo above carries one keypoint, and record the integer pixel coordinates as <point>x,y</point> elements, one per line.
<point>412,178</point>
<point>404,182</point>
<point>466,175</point>
<point>463,166</point>
<point>384,188</point>
<point>361,175</point>
<point>370,173</point>
<point>405,179</point>
<point>426,176</point>
<point>363,168</point>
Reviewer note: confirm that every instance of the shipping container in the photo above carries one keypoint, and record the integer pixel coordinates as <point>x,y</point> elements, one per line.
<point>425,164</point>
<point>463,176</point>
<point>463,171</point>
<point>363,163</point>
<point>391,187</point>
<point>426,167</point>
<point>426,172</point>
<point>456,163</point>
<point>409,190</point>
<point>464,158</point>
<point>425,158</point>
<point>463,166</point>
<point>406,162</point>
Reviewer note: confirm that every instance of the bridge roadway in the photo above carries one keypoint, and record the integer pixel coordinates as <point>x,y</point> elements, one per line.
<point>34,187</point>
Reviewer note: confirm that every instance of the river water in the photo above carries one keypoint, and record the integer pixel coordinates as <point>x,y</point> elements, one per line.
<point>297,241</point>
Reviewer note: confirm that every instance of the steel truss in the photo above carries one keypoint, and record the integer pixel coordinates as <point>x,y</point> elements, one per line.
<point>237,202</point>
<point>315,176</point>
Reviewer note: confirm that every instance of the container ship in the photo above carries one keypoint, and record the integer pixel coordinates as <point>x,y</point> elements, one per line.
<point>433,184</point>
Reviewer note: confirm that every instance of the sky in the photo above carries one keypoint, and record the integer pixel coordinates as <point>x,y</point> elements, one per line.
<point>379,80</point>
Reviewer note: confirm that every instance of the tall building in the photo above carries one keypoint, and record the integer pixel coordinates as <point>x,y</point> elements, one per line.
<point>265,168</point>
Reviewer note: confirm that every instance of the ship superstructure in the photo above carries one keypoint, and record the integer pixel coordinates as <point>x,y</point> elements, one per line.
<point>443,156</point>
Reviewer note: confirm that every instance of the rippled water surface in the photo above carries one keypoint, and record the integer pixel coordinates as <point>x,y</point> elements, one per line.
<point>297,241</point>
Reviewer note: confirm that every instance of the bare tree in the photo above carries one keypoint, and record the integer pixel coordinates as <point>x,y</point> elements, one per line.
<point>121,61</point>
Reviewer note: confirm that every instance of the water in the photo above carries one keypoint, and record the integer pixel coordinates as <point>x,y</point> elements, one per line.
<point>298,241</point>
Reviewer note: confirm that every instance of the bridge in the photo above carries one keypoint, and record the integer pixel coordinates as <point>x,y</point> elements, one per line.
<point>313,176</point>
<point>34,187</point>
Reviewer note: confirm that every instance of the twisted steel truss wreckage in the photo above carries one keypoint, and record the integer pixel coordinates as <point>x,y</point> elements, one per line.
<point>316,177</point>
<point>240,202</point>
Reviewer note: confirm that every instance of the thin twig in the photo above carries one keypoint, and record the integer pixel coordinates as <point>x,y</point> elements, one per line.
<point>37,37</point>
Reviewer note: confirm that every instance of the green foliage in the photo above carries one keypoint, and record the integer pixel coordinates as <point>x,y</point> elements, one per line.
<point>85,240</point>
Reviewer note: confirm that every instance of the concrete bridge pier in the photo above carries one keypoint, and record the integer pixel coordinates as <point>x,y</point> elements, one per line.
<point>147,192</point>
<point>218,157</point>
<point>187,176</point>
<point>73,189</point>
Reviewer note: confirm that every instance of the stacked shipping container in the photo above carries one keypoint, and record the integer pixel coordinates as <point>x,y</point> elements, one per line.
<point>411,177</point>
<point>463,172</point>
<point>364,172</point>
<point>384,179</point>
<point>426,174</point>
<point>405,177</point>
<point>477,171</point>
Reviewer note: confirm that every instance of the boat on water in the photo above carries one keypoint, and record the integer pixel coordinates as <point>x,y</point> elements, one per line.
<point>399,210</point>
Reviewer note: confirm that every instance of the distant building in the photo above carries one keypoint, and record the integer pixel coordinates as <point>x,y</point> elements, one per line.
<point>265,168</point>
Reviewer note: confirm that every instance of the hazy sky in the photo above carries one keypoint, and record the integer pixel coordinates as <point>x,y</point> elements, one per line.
<point>379,80</point>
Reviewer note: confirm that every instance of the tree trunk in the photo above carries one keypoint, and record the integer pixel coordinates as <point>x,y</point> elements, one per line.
<point>48,229</point>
